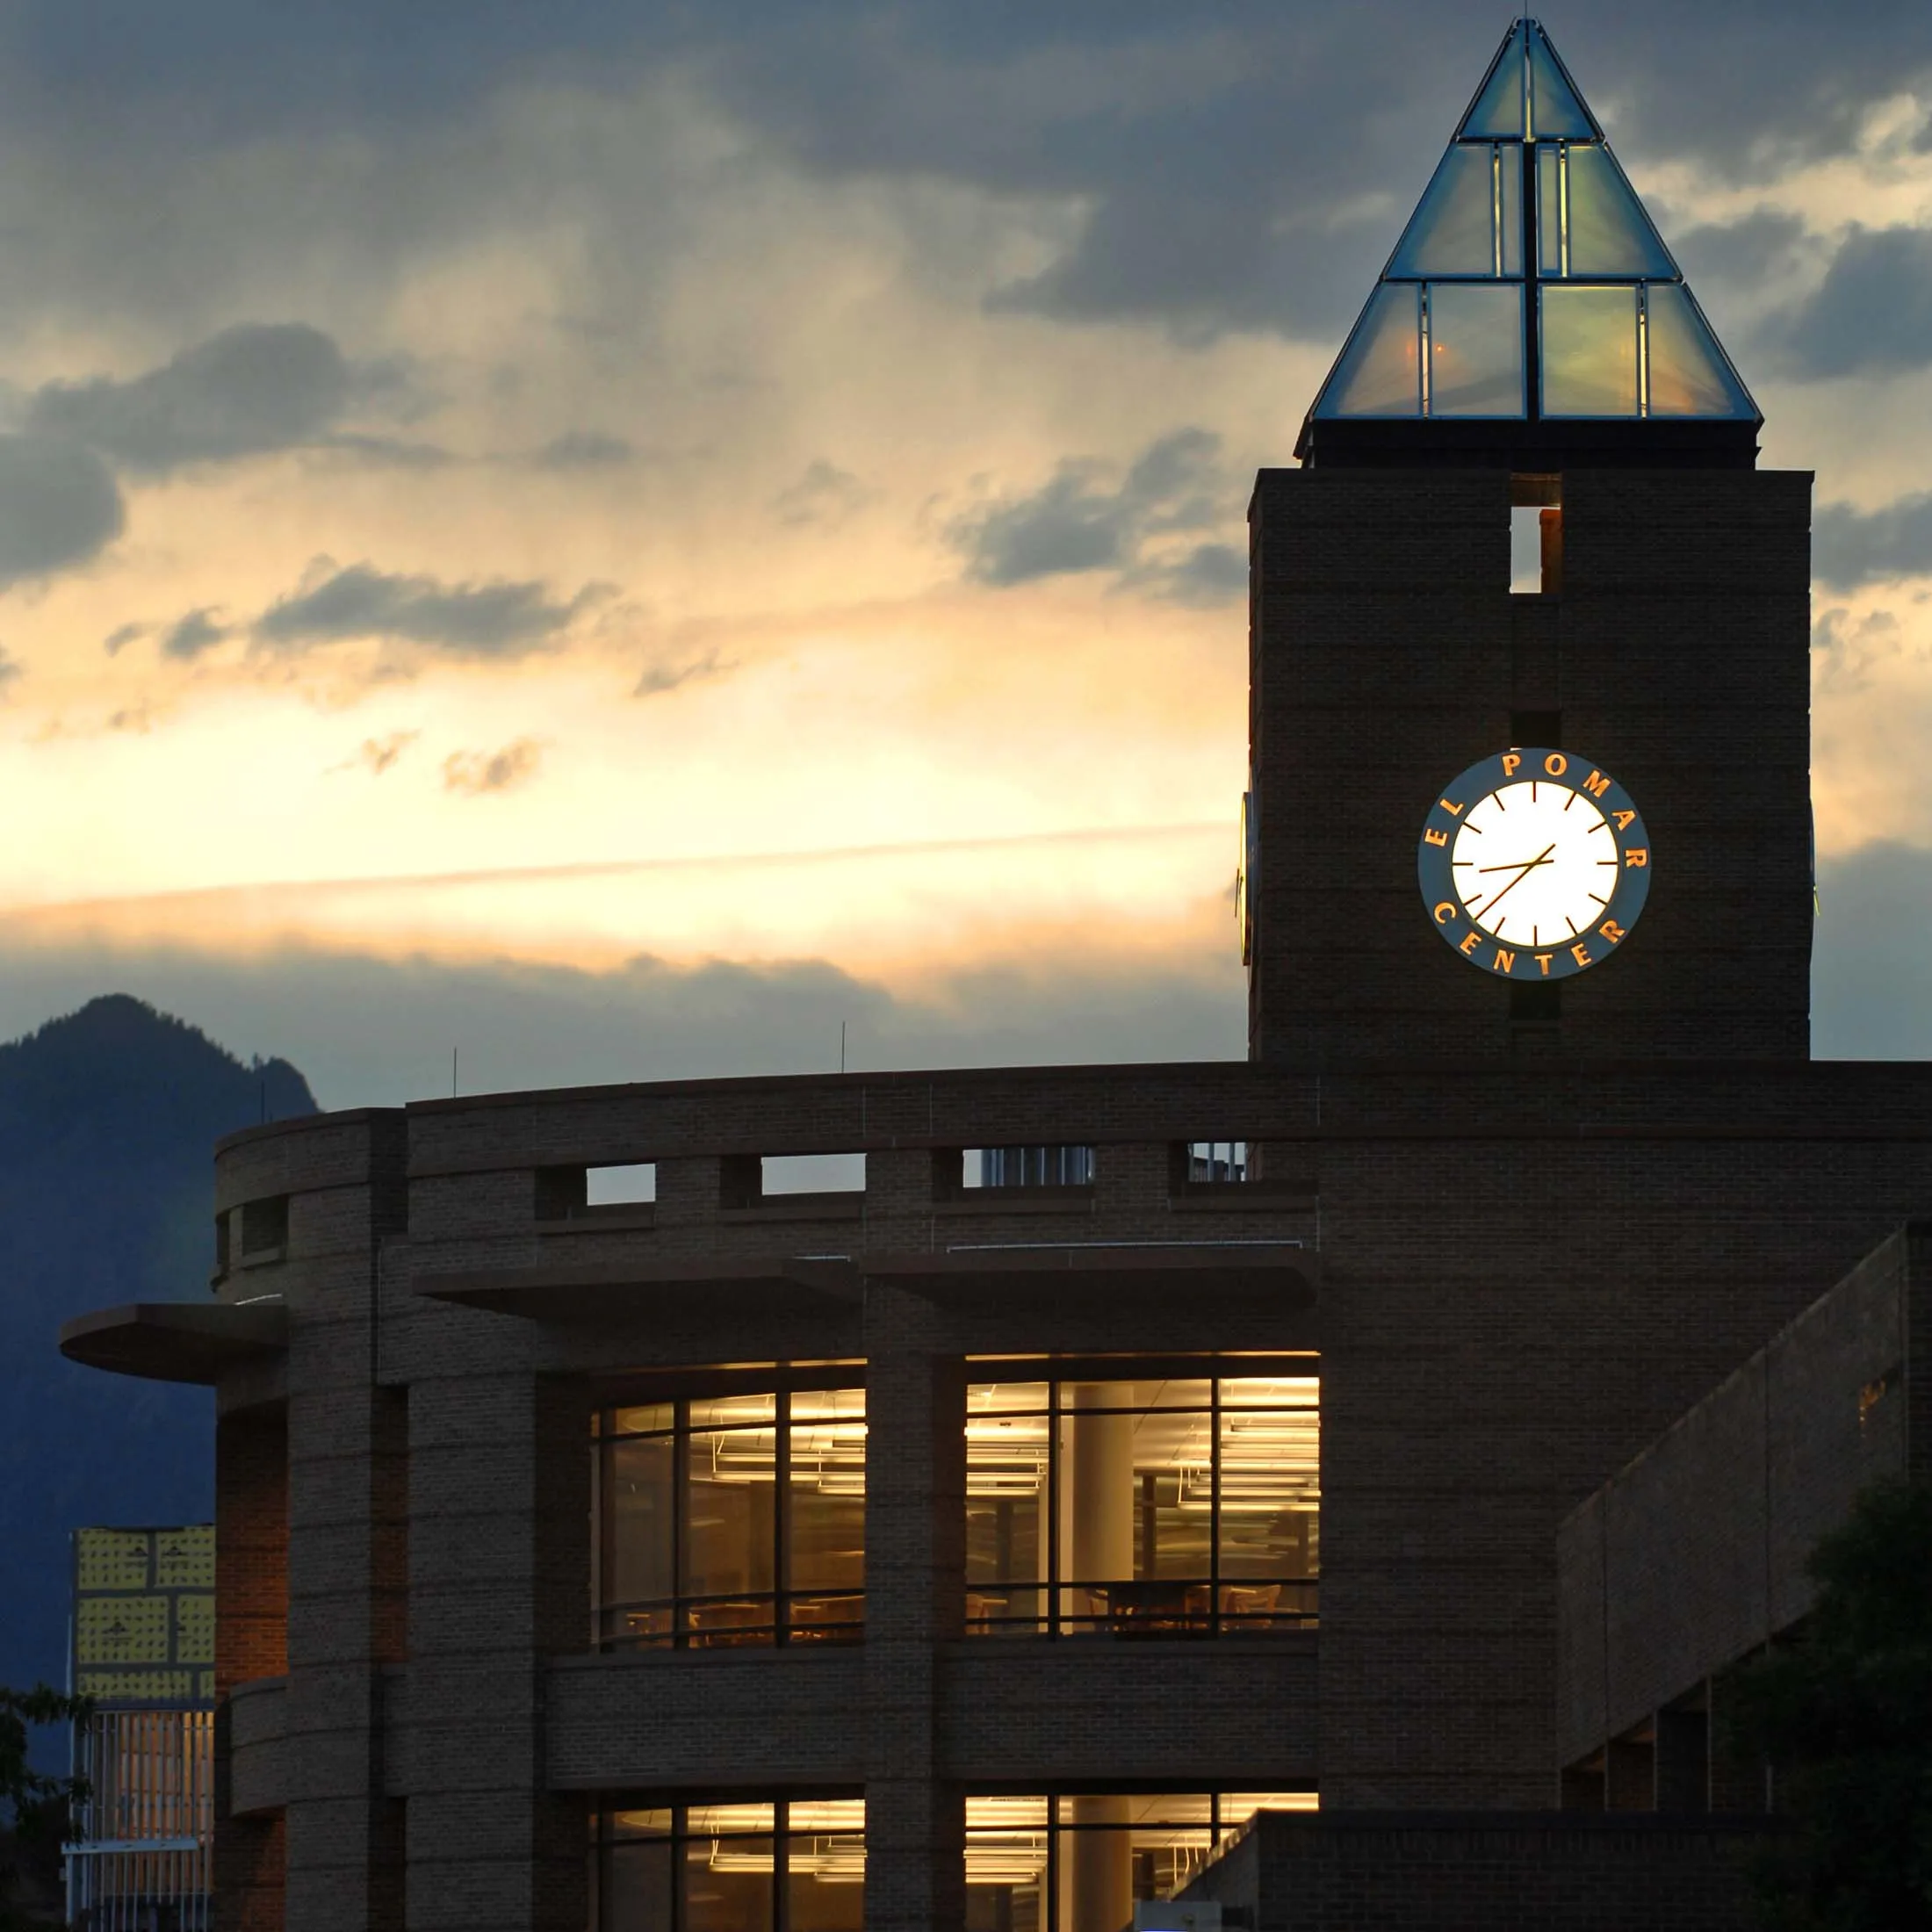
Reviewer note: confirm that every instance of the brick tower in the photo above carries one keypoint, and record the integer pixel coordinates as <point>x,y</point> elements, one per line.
<point>1530,354</point>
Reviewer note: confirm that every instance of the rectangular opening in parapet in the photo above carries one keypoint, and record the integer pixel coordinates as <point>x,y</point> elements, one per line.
<point>1536,535</point>
<point>814,1174</point>
<point>1054,1166</point>
<point>1218,1161</point>
<point>264,1226</point>
<point>631,1183</point>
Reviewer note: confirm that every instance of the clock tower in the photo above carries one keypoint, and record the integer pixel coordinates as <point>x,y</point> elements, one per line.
<point>1531,358</point>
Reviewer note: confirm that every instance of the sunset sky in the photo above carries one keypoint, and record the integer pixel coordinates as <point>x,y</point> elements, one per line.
<point>620,538</point>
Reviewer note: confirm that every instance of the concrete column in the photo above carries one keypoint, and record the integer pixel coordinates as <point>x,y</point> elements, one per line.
<point>1097,1489</point>
<point>499,1580</point>
<point>251,1631</point>
<point>1737,1784</point>
<point>345,1467</point>
<point>915,1521</point>
<point>1684,1761</point>
<point>1630,1776</point>
<point>1097,1868</point>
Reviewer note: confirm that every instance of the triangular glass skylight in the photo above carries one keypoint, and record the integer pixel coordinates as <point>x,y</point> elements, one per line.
<point>1530,281</point>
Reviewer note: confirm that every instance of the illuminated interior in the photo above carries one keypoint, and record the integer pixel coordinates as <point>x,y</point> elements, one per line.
<point>734,1868</point>
<point>1034,1863</point>
<point>1082,1864</point>
<point>702,1543</point>
<point>1530,278</point>
<point>1161,1506</point>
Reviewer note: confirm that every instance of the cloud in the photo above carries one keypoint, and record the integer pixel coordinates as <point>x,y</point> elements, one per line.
<point>188,635</point>
<point>1073,524</point>
<point>12,671</point>
<point>1872,312</point>
<point>665,676</point>
<point>1065,526</point>
<point>825,494</point>
<point>497,619</point>
<point>1746,253</point>
<point>253,388</point>
<point>59,505</point>
<point>475,772</point>
<point>118,639</point>
<point>584,449</point>
<point>1851,651</point>
<point>1850,547</point>
<point>1874,937</point>
<point>370,1032</point>
<point>1208,574</point>
<point>385,453</point>
<point>378,755</point>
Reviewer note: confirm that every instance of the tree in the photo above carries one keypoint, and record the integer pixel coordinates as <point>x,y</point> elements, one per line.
<point>36,1803</point>
<point>1844,1714</point>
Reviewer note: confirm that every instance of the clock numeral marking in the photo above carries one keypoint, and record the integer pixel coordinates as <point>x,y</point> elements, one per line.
<point>1470,942</point>
<point>1543,960</point>
<point>1582,954</point>
<point>1433,837</point>
<point>1503,962</point>
<point>1638,855</point>
<point>1612,930</point>
<point>1624,819</point>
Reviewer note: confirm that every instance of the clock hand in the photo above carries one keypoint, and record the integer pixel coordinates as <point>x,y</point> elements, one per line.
<point>1529,866</point>
<point>1521,865</point>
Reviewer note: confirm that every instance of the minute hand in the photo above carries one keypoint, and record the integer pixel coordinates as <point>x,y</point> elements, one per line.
<point>1528,867</point>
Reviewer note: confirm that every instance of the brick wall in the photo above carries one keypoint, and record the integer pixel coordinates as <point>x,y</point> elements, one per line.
<point>1694,1554</point>
<point>1521,1275</point>
<point>1386,653</point>
<point>1450,1873</point>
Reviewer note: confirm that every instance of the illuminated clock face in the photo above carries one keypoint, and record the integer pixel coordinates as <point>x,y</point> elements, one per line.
<point>1534,864</point>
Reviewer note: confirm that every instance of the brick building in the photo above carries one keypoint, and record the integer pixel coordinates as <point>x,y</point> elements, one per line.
<point>1116,1452</point>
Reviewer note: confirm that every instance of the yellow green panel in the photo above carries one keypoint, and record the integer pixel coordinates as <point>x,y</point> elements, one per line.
<point>185,1559</point>
<point>139,1686</point>
<point>194,1629</point>
<point>120,1630</point>
<point>111,1559</point>
<point>204,1685</point>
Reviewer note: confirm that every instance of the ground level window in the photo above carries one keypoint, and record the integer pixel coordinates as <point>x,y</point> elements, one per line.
<point>1083,1864</point>
<point>797,1866</point>
<point>731,1519</point>
<point>1166,1505</point>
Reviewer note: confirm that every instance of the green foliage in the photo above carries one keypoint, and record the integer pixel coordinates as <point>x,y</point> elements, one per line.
<point>1844,1716</point>
<point>36,1804</point>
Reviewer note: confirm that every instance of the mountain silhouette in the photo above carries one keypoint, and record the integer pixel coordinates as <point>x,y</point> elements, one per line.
<point>108,1117</point>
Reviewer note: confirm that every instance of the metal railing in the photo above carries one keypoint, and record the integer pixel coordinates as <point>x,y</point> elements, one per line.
<point>141,1856</point>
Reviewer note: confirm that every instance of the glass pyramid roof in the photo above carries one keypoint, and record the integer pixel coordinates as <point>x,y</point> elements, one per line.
<point>1530,282</point>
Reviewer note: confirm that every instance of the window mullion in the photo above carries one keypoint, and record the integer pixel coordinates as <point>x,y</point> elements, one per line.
<point>680,1478</point>
<point>681,1853</point>
<point>780,1865</point>
<point>1053,1509</point>
<point>781,1519</point>
<point>1213,1506</point>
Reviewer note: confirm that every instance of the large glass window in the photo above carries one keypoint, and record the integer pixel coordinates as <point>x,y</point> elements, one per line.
<point>785,1867</point>
<point>1082,1865</point>
<point>1161,1506</point>
<point>733,1519</point>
